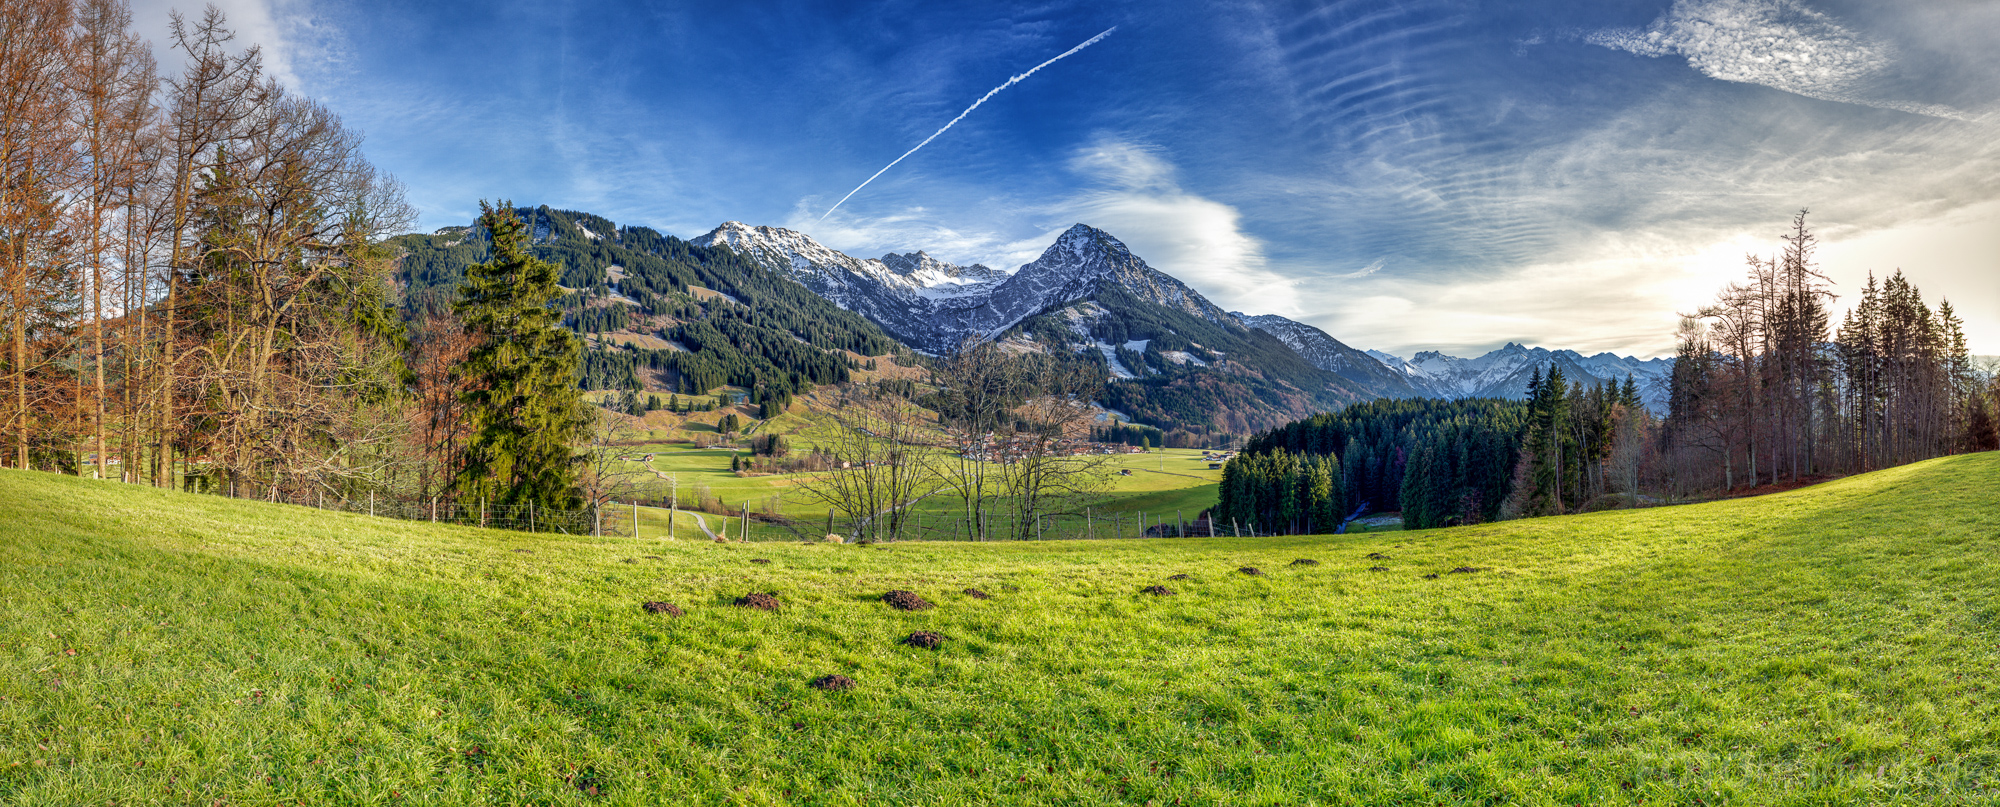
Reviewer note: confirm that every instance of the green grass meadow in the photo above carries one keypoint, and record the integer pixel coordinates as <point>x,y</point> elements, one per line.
<point>1162,484</point>
<point>1827,646</point>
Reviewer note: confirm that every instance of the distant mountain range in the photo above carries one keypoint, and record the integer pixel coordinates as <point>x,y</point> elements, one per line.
<point>1505,373</point>
<point>931,305</point>
<point>1180,362</point>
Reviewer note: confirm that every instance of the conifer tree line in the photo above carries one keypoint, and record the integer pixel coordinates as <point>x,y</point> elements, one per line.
<point>1763,392</point>
<point>1439,462</point>
<point>192,278</point>
<point>1582,448</point>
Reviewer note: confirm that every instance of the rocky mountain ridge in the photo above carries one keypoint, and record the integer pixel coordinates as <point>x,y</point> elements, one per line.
<point>1504,373</point>
<point>932,305</point>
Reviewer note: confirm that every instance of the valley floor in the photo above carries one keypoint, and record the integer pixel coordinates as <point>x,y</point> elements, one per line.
<point>1831,645</point>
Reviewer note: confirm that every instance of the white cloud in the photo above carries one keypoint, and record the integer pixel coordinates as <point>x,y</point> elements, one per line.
<point>911,230</point>
<point>290,37</point>
<point>1775,43</point>
<point>1621,299</point>
<point>1138,198</point>
<point>1132,193</point>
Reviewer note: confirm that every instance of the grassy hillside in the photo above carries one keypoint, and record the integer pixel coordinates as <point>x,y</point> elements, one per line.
<point>1832,645</point>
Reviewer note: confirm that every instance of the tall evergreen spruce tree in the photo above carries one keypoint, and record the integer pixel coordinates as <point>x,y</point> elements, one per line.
<point>527,414</point>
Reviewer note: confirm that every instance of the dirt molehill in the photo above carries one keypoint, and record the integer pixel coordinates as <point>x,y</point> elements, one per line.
<point>759,601</point>
<point>1378,568</point>
<point>1181,577</point>
<point>761,561</point>
<point>1305,562</point>
<point>977,594</point>
<point>1252,571</point>
<point>667,608</point>
<point>833,683</point>
<point>1157,591</point>
<point>924,639</point>
<point>525,551</point>
<point>1377,556</point>
<point>1431,576</point>
<point>906,601</point>
<point>1467,570</point>
<point>589,782</point>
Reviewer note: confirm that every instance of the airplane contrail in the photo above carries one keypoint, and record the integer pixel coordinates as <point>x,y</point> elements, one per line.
<point>961,116</point>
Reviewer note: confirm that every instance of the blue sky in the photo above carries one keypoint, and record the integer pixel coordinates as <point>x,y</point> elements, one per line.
<point>1411,175</point>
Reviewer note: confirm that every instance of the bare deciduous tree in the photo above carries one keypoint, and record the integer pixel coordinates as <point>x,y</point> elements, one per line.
<point>1049,465</point>
<point>39,165</point>
<point>607,476</point>
<point>885,454</point>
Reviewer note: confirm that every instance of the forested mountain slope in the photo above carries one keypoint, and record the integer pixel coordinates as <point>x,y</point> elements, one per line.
<point>724,319</point>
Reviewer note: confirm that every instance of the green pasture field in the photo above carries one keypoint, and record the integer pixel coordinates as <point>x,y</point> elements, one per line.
<point>1162,483</point>
<point>1831,645</point>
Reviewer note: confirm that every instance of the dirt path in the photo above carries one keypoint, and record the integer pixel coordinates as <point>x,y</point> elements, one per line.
<point>698,521</point>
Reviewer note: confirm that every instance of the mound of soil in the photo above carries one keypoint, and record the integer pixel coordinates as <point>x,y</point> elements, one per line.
<point>906,600</point>
<point>589,782</point>
<point>1431,576</point>
<point>525,551</point>
<point>1181,577</point>
<point>977,594</point>
<point>629,560</point>
<point>1378,568</point>
<point>1252,571</point>
<point>924,639</point>
<point>1377,556</point>
<point>1157,591</point>
<point>761,561</point>
<point>667,608</point>
<point>654,557</point>
<point>1305,562</point>
<point>1467,570</point>
<point>833,683</point>
<point>759,601</point>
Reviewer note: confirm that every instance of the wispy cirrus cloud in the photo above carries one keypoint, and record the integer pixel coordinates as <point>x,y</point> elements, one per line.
<point>1781,44</point>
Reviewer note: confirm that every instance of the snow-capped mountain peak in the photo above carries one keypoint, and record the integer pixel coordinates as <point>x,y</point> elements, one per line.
<point>932,304</point>
<point>1329,354</point>
<point>1504,373</point>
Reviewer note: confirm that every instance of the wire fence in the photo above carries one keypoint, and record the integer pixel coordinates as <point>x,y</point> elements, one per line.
<point>1089,524</point>
<point>637,520</point>
<point>525,518</point>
